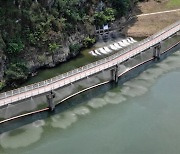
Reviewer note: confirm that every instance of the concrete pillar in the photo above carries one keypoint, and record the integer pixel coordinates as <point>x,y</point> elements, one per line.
<point>115,73</point>
<point>156,52</point>
<point>178,33</point>
<point>50,99</point>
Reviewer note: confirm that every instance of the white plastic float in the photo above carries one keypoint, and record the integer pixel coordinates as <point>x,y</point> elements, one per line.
<point>132,39</point>
<point>107,49</point>
<point>117,45</point>
<point>125,42</point>
<point>113,47</point>
<point>129,41</point>
<point>121,44</point>
<point>102,51</point>
<point>97,52</point>
<point>92,53</point>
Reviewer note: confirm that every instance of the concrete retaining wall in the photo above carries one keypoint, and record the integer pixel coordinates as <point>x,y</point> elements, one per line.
<point>135,65</point>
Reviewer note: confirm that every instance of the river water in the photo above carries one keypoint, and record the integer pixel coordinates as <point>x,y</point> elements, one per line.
<point>139,117</point>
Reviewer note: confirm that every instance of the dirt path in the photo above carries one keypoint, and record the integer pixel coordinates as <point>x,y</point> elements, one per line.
<point>154,13</point>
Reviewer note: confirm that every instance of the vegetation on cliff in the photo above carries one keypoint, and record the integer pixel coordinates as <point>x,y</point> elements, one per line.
<point>30,28</point>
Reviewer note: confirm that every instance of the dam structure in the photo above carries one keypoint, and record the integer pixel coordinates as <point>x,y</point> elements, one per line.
<point>47,94</point>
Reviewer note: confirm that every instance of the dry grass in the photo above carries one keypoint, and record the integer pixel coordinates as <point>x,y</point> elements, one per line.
<point>173,3</point>
<point>162,5</point>
<point>148,25</point>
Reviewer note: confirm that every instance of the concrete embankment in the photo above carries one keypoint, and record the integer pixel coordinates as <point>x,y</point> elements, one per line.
<point>126,71</point>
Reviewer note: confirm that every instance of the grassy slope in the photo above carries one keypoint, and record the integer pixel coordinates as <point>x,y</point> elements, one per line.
<point>173,3</point>
<point>148,25</point>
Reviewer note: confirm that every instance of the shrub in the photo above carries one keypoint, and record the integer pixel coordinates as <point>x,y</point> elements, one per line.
<point>121,6</point>
<point>74,49</point>
<point>53,47</point>
<point>2,85</point>
<point>16,71</point>
<point>88,42</point>
<point>103,17</point>
<point>15,47</point>
<point>32,39</point>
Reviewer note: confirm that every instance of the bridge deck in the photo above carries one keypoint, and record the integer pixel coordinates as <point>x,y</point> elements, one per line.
<point>90,69</point>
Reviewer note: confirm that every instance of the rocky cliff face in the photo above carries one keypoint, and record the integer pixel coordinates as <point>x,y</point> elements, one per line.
<point>37,59</point>
<point>39,33</point>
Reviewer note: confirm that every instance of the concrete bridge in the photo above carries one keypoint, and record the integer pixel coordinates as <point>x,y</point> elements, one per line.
<point>46,88</point>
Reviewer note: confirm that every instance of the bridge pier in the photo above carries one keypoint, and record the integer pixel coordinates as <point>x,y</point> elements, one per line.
<point>115,74</point>
<point>50,99</point>
<point>156,51</point>
<point>178,33</point>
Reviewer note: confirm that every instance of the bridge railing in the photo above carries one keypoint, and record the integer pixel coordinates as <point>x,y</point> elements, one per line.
<point>97,63</point>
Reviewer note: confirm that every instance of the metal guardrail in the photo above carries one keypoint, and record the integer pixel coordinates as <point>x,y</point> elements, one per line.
<point>172,29</point>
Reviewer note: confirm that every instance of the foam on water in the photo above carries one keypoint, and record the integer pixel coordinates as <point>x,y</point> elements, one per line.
<point>96,103</point>
<point>64,120</point>
<point>21,137</point>
<point>155,72</point>
<point>150,76</point>
<point>134,84</point>
<point>147,77</point>
<point>129,91</point>
<point>114,98</point>
<point>39,123</point>
<point>82,110</point>
<point>140,84</point>
<point>144,83</point>
<point>133,88</point>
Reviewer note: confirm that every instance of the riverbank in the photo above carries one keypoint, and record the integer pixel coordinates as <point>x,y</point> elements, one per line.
<point>41,34</point>
<point>82,83</point>
<point>38,62</point>
<point>144,26</point>
<point>91,94</point>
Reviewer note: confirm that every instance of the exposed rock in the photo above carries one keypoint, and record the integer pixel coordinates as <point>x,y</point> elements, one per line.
<point>36,60</point>
<point>47,29</point>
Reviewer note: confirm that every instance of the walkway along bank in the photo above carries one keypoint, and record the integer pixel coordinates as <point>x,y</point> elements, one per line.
<point>116,68</point>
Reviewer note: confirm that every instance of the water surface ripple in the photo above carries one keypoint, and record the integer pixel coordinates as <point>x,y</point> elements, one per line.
<point>139,117</point>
